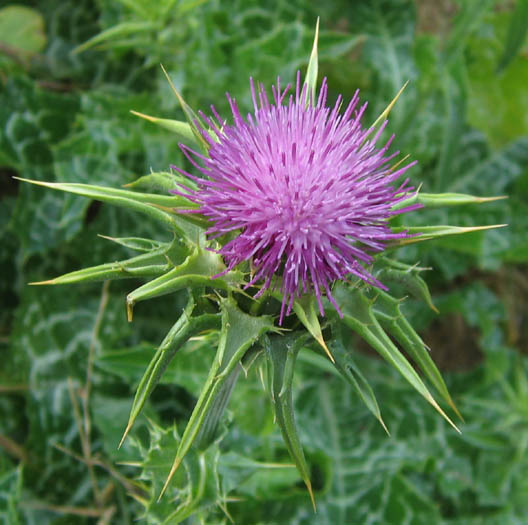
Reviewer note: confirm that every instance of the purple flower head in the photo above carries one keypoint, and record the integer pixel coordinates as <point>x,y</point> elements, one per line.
<point>305,188</point>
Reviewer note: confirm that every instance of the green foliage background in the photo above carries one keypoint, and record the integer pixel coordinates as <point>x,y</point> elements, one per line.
<point>64,116</point>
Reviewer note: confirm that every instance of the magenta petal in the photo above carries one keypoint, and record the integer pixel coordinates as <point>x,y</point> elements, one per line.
<point>307,188</point>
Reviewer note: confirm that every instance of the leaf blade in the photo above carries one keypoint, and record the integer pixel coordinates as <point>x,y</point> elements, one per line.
<point>239,332</point>
<point>282,353</point>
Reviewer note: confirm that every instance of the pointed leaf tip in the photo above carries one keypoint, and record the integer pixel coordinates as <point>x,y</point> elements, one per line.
<point>388,312</point>
<point>125,434</point>
<point>192,118</point>
<point>309,488</point>
<point>312,71</point>
<point>282,353</point>
<point>42,283</point>
<point>173,470</point>
<point>325,348</point>
<point>388,109</point>
<point>492,199</point>
<point>238,333</point>
<point>143,115</point>
<point>349,371</point>
<point>358,315</point>
<point>437,407</point>
<point>305,310</point>
<point>182,129</point>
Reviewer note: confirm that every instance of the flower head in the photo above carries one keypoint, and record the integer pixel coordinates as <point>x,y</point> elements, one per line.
<point>305,188</point>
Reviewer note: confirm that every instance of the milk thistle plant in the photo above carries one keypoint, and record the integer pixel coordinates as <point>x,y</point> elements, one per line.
<point>283,242</point>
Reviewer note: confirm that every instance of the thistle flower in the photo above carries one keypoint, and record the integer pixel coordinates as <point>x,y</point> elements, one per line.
<point>305,188</point>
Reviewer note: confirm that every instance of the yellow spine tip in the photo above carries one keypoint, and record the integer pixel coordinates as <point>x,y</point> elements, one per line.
<point>384,426</point>
<point>320,340</point>
<point>173,470</point>
<point>143,115</point>
<point>491,199</point>
<point>310,491</point>
<point>125,434</point>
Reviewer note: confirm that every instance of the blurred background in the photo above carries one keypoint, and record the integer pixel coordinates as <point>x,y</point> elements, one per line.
<point>70,72</point>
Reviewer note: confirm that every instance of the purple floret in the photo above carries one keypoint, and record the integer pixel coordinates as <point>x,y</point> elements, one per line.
<point>304,188</point>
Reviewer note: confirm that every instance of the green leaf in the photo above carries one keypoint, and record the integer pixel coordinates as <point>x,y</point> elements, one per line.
<point>388,312</point>
<point>467,20</point>
<point>239,332</point>
<point>152,264</point>
<point>202,487</point>
<point>137,244</point>
<point>282,352</point>
<point>387,53</point>
<point>197,270</point>
<point>453,99</point>
<point>117,31</point>
<point>438,200</point>
<point>22,30</point>
<point>11,481</point>
<point>311,73</point>
<point>358,315</point>
<point>497,171</point>
<point>137,7</point>
<point>407,276</point>
<point>54,363</point>
<point>252,477</point>
<point>183,130</point>
<point>149,204</point>
<point>503,91</point>
<point>305,310</point>
<point>109,416</point>
<point>32,121</point>
<point>112,195</point>
<point>162,182</point>
<point>185,327</point>
<point>208,430</point>
<point>188,371</point>
<point>194,121</point>
<point>350,372</point>
<point>187,5</point>
<point>426,233</point>
<point>198,487</point>
<point>385,113</point>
